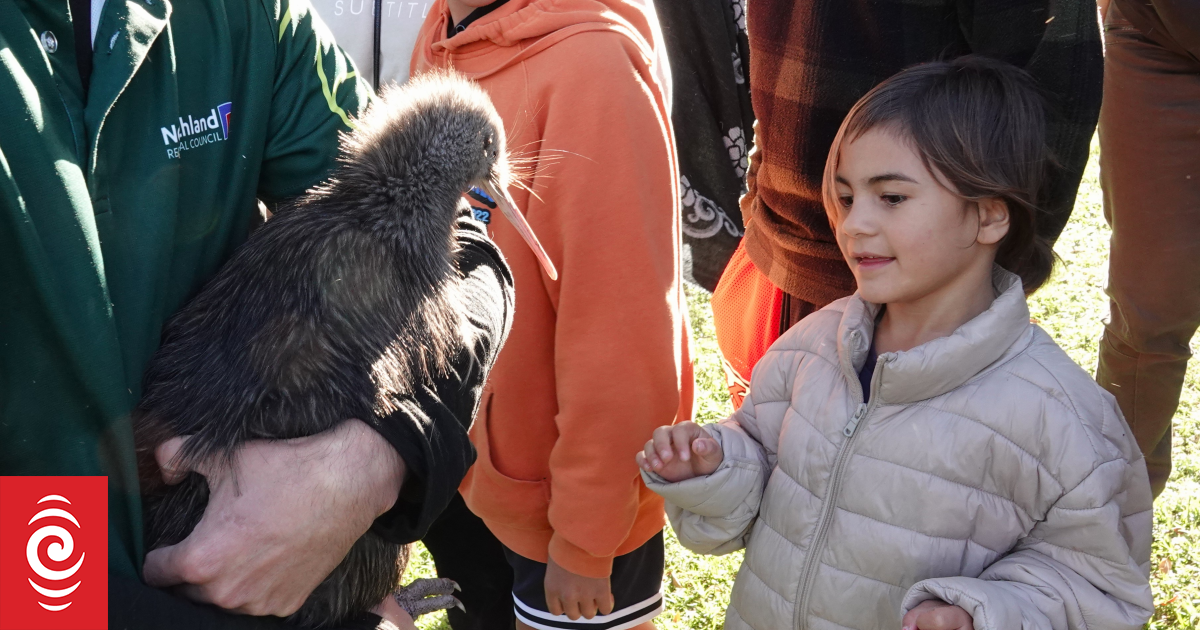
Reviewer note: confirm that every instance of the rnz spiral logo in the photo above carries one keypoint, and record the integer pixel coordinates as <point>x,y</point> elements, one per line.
<point>61,550</point>
<point>53,552</point>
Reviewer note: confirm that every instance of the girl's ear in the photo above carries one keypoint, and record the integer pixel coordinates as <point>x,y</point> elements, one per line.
<point>993,220</point>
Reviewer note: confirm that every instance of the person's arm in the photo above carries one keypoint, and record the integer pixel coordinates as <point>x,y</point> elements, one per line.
<point>430,429</point>
<point>606,209</point>
<point>317,95</point>
<point>1058,43</point>
<point>135,606</point>
<point>1084,565</point>
<point>281,515</point>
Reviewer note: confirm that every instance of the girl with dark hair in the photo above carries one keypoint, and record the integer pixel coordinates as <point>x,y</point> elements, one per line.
<point>919,455</point>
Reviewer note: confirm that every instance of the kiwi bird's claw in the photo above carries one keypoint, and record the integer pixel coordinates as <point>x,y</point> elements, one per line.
<point>416,608</point>
<point>424,596</point>
<point>424,587</point>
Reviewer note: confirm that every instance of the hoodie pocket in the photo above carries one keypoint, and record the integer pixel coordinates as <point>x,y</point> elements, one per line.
<point>495,497</point>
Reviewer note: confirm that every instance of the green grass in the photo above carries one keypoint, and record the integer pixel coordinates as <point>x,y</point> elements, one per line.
<point>1072,308</point>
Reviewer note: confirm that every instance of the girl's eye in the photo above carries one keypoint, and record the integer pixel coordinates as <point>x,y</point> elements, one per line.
<point>846,200</point>
<point>893,200</point>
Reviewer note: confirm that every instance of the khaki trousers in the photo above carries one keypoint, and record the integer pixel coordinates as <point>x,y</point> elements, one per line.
<point>1150,173</point>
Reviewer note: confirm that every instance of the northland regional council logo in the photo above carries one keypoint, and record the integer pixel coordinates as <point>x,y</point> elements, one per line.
<point>193,133</point>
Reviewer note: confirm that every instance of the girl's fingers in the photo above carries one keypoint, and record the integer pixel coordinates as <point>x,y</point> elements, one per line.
<point>709,453</point>
<point>678,441</point>
<point>931,621</point>
<point>681,440</point>
<point>662,443</point>
<point>607,605</point>
<point>554,606</point>
<point>909,622</point>
<point>944,618</point>
<point>651,456</point>
<point>707,448</point>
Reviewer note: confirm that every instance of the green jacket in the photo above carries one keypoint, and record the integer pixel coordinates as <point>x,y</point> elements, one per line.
<point>114,211</point>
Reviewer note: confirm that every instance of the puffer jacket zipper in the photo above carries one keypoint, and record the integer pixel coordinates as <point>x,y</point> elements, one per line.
<point>813,560</point>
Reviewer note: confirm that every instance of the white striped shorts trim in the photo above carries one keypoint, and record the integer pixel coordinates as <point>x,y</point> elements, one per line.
<point>622,619</point>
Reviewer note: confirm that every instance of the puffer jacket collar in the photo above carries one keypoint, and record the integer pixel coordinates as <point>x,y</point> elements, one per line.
<point>934,368</point>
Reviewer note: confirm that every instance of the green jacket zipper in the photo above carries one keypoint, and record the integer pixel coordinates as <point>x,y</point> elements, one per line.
<point>813,561</point>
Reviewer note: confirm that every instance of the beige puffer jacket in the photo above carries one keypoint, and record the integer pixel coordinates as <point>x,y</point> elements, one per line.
<point>988,470</point>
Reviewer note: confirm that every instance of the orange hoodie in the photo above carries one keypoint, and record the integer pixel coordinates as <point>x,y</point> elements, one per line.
<point>598,359</point>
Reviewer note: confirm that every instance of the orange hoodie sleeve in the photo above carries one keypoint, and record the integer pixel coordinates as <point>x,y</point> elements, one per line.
<point>609,205</point>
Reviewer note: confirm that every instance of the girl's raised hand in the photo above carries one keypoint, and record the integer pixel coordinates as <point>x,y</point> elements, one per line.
<point>680,452</point>
<point>935,614</point>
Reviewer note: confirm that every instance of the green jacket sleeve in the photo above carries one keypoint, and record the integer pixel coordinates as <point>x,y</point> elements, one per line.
<point>317,93</point>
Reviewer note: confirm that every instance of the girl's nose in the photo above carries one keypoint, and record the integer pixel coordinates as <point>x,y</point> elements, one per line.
<point>855,222</point>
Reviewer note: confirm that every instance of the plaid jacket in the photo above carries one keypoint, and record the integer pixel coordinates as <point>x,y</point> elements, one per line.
<point>811,60</point>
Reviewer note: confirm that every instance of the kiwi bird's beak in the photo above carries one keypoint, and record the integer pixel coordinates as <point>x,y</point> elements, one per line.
<point>509,208</point>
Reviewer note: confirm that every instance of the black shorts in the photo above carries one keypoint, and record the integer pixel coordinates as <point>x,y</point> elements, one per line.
<point>636,587</point>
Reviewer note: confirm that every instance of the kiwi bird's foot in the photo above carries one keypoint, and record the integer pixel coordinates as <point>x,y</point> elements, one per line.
<point>421,597</point>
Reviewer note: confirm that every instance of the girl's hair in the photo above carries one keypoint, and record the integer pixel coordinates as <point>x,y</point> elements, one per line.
<point>981,124</point>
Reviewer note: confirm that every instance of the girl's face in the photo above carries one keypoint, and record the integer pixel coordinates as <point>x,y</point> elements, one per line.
<point>905,235</point>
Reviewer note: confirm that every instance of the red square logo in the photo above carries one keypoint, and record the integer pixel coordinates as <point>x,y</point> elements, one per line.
<point>53,553</point>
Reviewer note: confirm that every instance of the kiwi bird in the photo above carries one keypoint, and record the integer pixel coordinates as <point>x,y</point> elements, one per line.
<point>343,302</point>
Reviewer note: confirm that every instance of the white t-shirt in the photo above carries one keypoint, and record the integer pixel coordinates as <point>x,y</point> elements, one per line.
<point>353,25</point>
<point>97,7</point>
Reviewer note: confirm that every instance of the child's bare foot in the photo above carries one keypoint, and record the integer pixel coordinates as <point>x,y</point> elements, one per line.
<point>680,452</point>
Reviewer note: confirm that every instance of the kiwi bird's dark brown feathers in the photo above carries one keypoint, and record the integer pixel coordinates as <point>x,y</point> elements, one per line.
<point>344,301</point>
